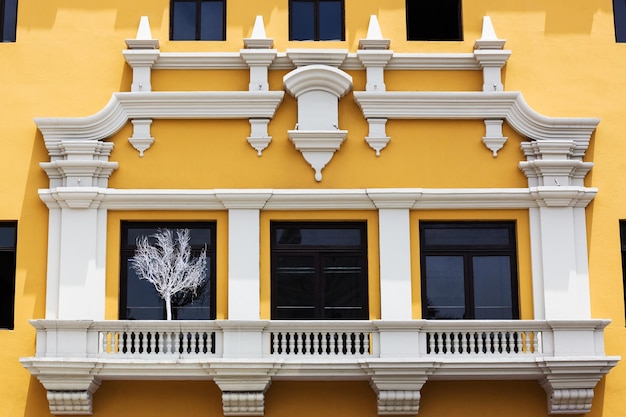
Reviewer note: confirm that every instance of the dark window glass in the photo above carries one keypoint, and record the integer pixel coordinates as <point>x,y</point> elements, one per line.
<point>434,20</point>
<point>619,16</point>
<point>138,298</point>
<point>198,20</point>
<point>316,20</point>
<point>622,229</point>
<point>469,270</point>
<point>8,23</point>
<point>8,237</point>
<point>319,271</point>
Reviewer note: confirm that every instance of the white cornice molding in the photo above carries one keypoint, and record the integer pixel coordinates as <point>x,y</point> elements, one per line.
<point>161,105</point>
<point>398,61</point>
<point>475,105</point>
<point>317,199</point>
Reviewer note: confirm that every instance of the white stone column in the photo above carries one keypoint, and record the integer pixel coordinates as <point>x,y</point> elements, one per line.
<point>78,172</point>
<point>558,229</point>
<point>244,245</point>
<point>394,229</point>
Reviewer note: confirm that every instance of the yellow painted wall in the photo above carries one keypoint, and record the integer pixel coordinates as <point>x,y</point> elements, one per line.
<point>67,61</point>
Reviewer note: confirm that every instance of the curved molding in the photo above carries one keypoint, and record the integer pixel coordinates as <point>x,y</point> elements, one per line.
<point>510,106</point>
<point>317,78</point>
<point>161,105</point>
<point>316,199</point>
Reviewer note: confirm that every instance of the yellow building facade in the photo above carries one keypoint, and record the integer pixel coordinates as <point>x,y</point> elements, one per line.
<point>396,224</point>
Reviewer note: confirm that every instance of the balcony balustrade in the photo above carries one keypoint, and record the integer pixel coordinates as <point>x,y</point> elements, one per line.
<point>242,357</point>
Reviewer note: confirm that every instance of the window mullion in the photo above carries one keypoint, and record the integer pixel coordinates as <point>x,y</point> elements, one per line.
<point>198,19</point>
<point>468,260</point>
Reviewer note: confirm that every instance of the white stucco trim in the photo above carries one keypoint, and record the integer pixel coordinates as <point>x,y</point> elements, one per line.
<point>161,105</point>
<point>315,199</point>
<point>510,106</point>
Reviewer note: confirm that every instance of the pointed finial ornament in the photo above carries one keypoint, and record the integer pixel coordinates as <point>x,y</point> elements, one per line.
<point>259,39</point>
<point>143,40</point>
<point>374,38</point>
<point>489,39</point>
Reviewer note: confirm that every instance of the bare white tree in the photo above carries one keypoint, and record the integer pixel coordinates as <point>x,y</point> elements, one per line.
<point>168,264</point>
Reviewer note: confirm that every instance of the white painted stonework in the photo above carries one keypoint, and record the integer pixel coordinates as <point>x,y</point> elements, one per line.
<point>562,348</point>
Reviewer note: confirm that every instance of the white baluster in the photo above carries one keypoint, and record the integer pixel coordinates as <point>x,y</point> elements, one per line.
<point>431,343</point>
<point>340,343</point>
<point>316,343</point>
<point>307,343</point>
<point>454,338</point>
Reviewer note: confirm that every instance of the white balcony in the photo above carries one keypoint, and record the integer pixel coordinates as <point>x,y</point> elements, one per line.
<point>243,357</point>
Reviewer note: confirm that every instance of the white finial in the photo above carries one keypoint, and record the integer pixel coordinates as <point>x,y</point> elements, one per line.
<point>143,40</point>
<point>258,31</point>
<point>488,32</point>
<point>259,39</point>
<point>144,29</point>
<point>374,38</point>
<point>373,30</point>
<point>489,39</point>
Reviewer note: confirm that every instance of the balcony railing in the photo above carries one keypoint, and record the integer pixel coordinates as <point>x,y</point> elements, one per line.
<point>295,339</point>
<point>243,356</point>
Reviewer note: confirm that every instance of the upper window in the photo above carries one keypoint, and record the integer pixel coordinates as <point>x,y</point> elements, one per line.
<point>619,16</point>
<point>8,23</point>
<point>319,270</point>
<point>138,298</point>
<point>316,20</point>
<point>8,239</point>
<point>469,270</point>
<point>434,20</point>
<point>198,20</point>
<point>622,231</point>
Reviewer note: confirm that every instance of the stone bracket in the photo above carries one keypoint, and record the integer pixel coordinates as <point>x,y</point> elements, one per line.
<point>570,387</point>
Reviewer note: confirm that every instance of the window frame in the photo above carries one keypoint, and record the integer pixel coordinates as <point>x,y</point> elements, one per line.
<point>198,20</point>
<point>468,252</point>
<point>316,21</point>
<point>619,20</point>
<point>127,251</point>
<point>6,16</point>
<point>7,278</point>
<point>320,251</point>
<point>412,29</point>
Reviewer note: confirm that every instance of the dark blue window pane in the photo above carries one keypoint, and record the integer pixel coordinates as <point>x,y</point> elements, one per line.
<point>7,236</point>
<point>9,21</point>
<point>212,21</point>
<point>492,287</point>
<point>474,236</point>
<point>302,20</point>
<point>330,15</point>
<point>316,237</point>
<point>619,15</point>
<point>445,283</point>
<point>184,21</point>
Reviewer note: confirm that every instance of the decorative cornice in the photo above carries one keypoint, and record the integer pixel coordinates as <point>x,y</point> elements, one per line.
<point>398,61</point>
<point>316,199</point>
<point>510,106</point>
<point>317,78</point>
<point>303,57</point>
<point>161,105</point>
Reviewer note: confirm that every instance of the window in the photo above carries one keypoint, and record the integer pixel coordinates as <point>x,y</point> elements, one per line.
<point>469,270</point>
<point>434,20</point>
<point>316,20</point>
<point>8,11</point>
<point>622,232</point>
<point>8,239</point>
<point>198,20</point>
<point>138,298</point>
<point>619,16</point>
<point>319,270</point>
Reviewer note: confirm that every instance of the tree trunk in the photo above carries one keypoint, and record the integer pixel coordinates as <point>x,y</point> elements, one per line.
<point>168,306</point>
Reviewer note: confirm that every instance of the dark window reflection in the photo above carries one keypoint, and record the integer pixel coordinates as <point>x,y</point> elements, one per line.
<point>316,20</point>
<point>319,271</point>
<point>139,299</point>
<point>198,20</point>
<point>469,270</point>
